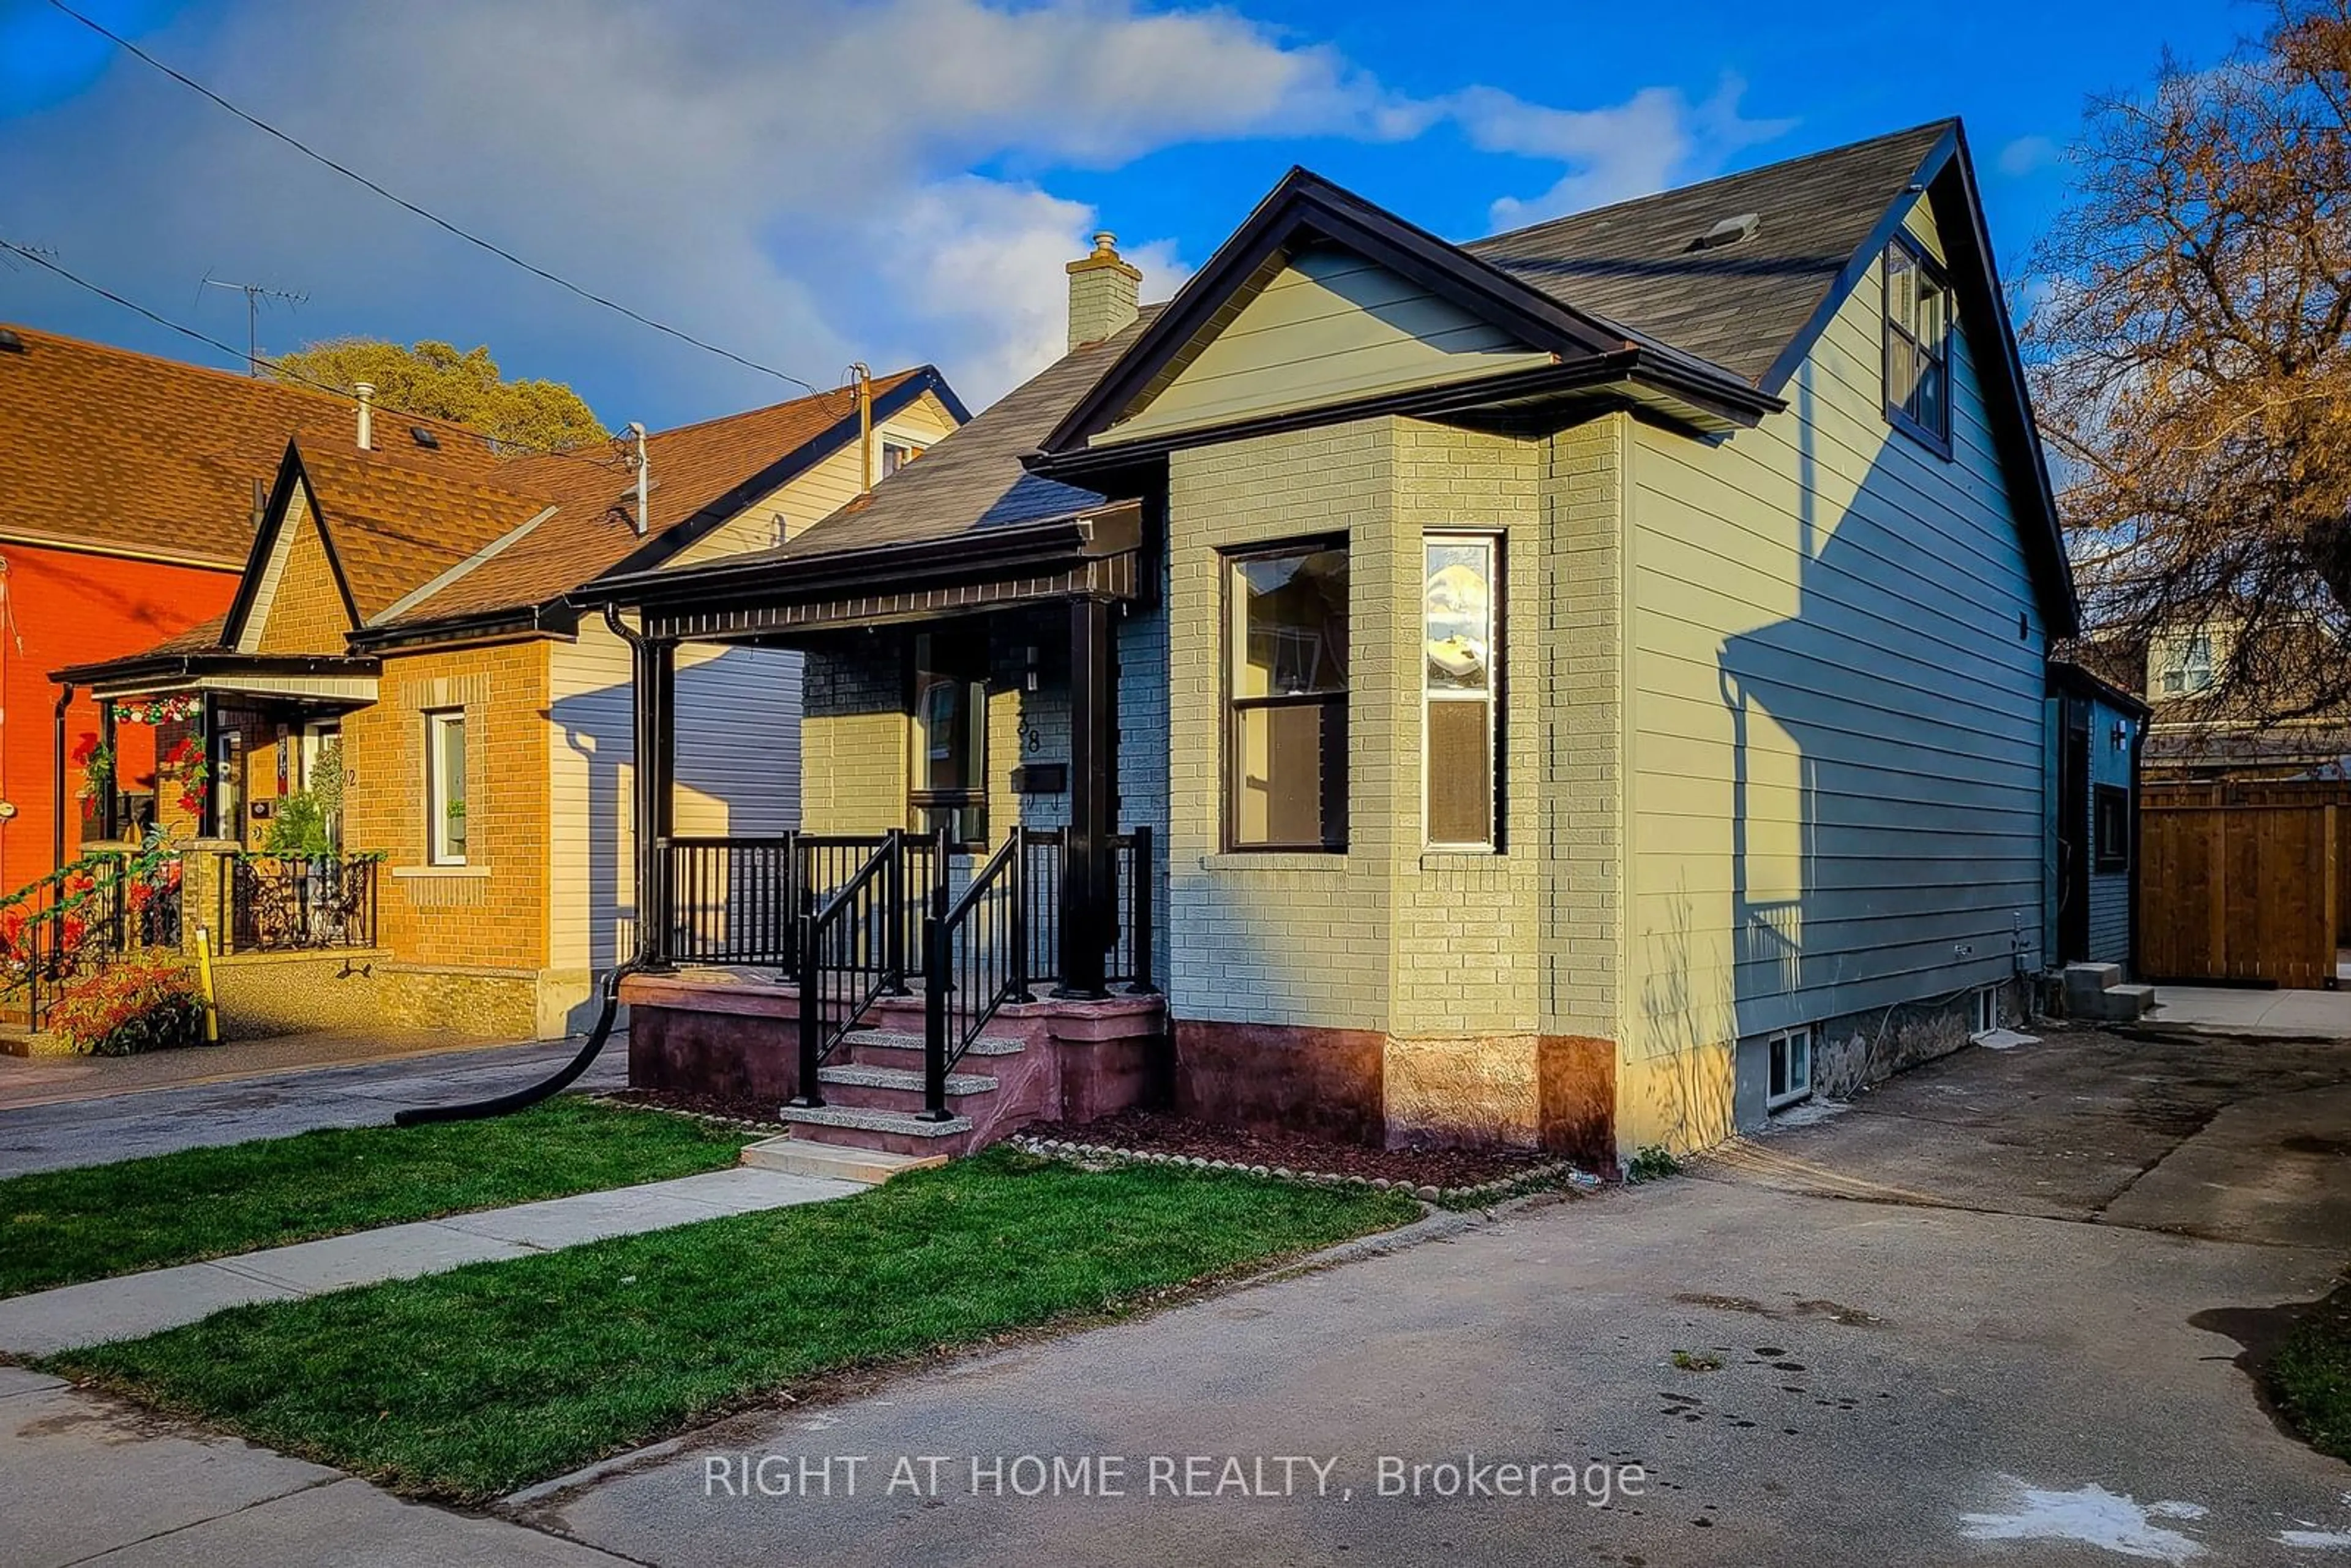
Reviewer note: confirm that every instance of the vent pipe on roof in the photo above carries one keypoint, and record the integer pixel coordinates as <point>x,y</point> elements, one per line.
<point>260,502</point>
<point>1103,290</point>
<point>366,391</point>
<point>644,476</point>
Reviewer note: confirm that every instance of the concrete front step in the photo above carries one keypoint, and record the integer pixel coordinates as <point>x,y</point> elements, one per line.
<point>860,1076</point>
<point>859,1040</point>
<point>805,1156</point>
<point>893,1132</point>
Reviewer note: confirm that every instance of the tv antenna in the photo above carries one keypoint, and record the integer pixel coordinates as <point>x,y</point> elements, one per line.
<point>255,293</point>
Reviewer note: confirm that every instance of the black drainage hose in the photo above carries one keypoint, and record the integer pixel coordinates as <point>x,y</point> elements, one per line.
<point>523,1099</point>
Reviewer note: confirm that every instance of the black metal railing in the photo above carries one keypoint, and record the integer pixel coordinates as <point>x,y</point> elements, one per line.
<point>975,947</point>
<point>272,903</point>
<point>852,951</point>
<point>80,918</point>
<point>731,901</point>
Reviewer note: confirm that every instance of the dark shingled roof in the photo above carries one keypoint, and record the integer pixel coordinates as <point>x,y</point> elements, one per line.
<point>973,479</point>
<point>1740,306</point>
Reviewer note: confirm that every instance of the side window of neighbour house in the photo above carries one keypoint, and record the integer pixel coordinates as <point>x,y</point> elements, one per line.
<point>445,802</point>
<point>1286,674</point>
<point>1460,657</point>
<point>896,455</point>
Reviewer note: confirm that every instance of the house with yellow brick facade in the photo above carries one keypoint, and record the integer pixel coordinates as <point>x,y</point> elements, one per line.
<point>405,760</point>
<point>1582,687</point>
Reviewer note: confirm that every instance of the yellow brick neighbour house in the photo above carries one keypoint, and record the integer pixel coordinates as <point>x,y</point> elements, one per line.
<point>399,668</point>
<point>1581,689</point>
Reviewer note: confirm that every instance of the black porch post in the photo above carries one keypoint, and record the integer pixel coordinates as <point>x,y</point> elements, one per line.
<point>110,809</point>
<point>656,767</point>
<point>58,772</point>
<point>1086,905</point>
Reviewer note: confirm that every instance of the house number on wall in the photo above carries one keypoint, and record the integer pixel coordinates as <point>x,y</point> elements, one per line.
<point>1032,739</point>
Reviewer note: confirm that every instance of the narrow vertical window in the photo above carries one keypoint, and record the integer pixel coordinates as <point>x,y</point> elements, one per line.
<point>1918,347</point>
<point>444,792</point>
<point>1459,652</point>
<point>949,771</point>
<point>1286,739</point>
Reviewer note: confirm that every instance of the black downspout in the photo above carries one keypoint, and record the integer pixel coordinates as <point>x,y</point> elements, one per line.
<point>58,766</point>
<point>2139,741</point>
<point>652,714</point>
<point>110,809</point>
<point>1086,912</point>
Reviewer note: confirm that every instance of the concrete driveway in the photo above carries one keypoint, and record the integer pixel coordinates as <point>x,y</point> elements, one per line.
<point>94,1129</point>
<point>1989,1316</point>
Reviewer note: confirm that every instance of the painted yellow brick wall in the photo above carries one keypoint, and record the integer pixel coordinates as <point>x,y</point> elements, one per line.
<point>1303,940</point>
<point>1582,750</point>
<point>493,911</point>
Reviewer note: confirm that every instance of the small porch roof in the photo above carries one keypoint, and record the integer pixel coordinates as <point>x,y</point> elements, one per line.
<point>336,679</point>
<point>1088,554</point>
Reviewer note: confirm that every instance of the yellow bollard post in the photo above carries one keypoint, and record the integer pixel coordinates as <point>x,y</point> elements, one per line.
<point>204,985</point>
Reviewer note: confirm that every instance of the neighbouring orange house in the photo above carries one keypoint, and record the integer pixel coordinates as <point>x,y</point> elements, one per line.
<point>131,490</point>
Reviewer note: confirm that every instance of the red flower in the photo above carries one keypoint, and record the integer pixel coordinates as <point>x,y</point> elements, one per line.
<point>83,749</point>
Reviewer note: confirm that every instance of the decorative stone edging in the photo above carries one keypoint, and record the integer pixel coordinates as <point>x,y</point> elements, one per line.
<point>1425,1193</point>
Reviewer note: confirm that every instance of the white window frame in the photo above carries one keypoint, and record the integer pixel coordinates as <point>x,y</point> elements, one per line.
<point>438,850</point>
<point>1987,1009</point>
<point>1492,697</point>
<point>1789,1041</point>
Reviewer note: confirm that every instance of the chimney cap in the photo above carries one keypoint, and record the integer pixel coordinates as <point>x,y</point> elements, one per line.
<point>1105,254</point>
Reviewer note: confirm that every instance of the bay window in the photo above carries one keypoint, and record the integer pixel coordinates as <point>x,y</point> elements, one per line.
<point>1286,674</point>
<point>1459,659</point>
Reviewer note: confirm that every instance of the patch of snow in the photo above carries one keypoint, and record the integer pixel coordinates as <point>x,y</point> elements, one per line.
<point>2317,1539</point>
<point>2092,1515</point>
<point>1809,1113</point>
<point>2004,1040</point>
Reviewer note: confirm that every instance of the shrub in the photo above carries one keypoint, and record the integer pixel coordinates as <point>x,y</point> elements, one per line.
<point>137,1005</point>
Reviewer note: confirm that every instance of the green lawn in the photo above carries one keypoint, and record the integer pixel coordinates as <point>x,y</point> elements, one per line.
<point>2310,1377</point>
<point>57,1228</point>
<point>469,1384</point>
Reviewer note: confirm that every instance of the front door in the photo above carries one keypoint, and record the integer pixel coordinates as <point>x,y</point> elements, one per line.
<point>2073,831</point>
<point>322,771</point>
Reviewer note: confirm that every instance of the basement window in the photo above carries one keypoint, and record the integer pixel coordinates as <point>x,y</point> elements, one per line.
<point>1918,347</point>
<point>1987,1011</point>
<point>444,787</point>
<point>1792,1067</point>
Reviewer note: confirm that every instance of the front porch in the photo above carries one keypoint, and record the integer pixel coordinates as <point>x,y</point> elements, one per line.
<point>965,938</point>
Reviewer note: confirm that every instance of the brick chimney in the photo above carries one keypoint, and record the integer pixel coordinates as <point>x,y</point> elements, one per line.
<point>1101,292</point>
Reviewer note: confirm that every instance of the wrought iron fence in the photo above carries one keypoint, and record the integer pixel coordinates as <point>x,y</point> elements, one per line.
<point>272,903</point>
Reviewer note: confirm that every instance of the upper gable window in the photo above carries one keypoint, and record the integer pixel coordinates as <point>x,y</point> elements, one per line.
<point>1918,346</point>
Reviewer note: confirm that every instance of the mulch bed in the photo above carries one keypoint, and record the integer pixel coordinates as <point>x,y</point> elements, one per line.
<point>767,1112</point>
<point>1155,1132</point>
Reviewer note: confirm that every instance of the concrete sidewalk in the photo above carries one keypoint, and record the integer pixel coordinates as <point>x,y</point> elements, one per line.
<point>91,1478</point>
<point>138,1304</point>
<point>2254,1013</point>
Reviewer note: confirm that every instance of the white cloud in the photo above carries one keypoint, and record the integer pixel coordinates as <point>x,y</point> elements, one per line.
<point>1654,138</point>
<point>805,181</point>
<point>2028,155</point>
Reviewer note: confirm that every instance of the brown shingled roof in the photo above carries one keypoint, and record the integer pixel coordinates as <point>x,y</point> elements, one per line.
<point>113,449</point>
<point>701,473</point>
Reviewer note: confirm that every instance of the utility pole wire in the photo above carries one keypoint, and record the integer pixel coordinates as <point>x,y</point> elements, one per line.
<point>10,247</point>
<point>433,218</point>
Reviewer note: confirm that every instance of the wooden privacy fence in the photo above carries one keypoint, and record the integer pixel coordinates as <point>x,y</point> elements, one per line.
<point>2279,792</point>
<point>2239,891</point>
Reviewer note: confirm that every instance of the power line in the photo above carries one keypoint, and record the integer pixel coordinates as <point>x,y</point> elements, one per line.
<point>274,367</point>
<point>433,218</point>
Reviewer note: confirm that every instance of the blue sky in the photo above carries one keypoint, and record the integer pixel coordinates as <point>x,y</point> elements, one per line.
<point>809,183</point>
